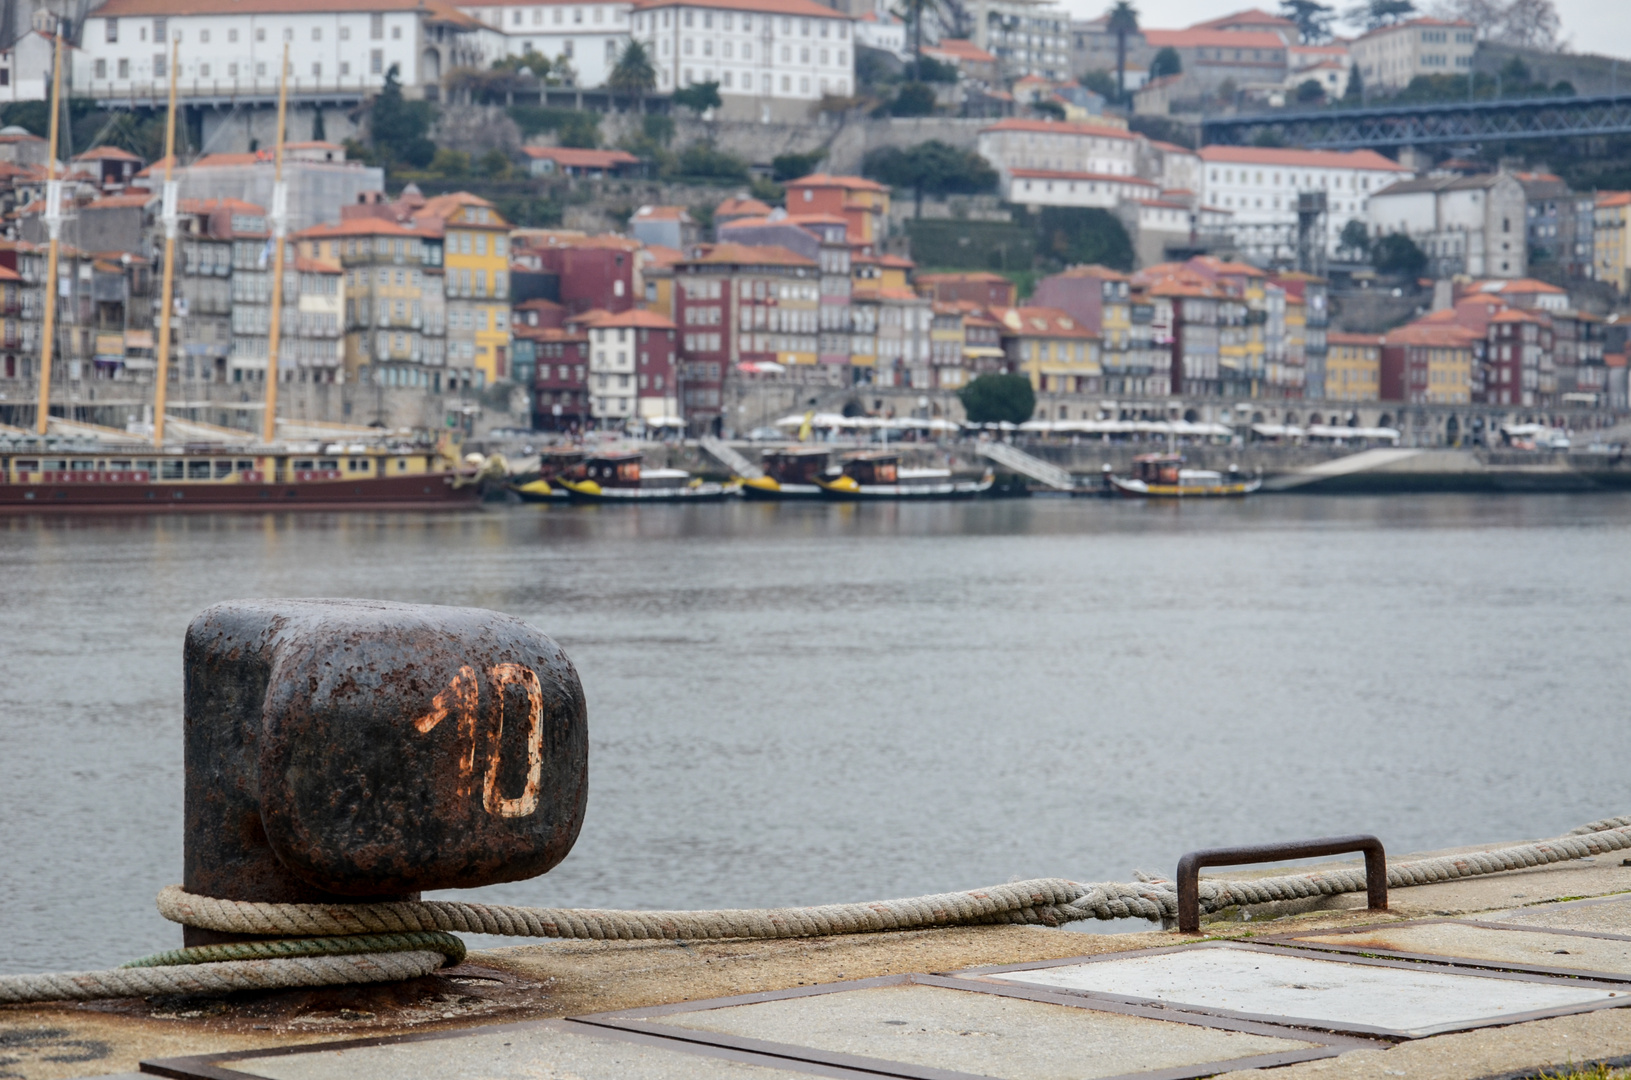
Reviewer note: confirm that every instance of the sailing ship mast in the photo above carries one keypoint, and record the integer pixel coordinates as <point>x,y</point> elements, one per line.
<point>171,220</point>
<point>280,226</point>
<point>53,223</point>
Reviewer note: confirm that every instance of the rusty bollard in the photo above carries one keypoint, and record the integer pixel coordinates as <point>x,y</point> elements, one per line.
<point>351,750</point>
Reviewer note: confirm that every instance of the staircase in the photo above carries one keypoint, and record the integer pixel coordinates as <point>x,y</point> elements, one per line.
<point>1011,457</point>
<point>722,452</point>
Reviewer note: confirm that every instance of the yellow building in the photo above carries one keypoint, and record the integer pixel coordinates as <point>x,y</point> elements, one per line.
<point>1613,255</point>
<point>476,269</point>
<point>1353,367</point>
<point>389,336</point>
<point>1059,354</point>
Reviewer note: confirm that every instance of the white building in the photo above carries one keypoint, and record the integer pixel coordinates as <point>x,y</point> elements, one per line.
<point>1028,37</point>
<point>25,67</point>
<point>589,36</point>
<point>1465,224</point>
<point>1393,55</point>
<point>1260,185</point>
<point>230,49</point>
<point>773,59</point>
<point>613,395</point>
<point>1059,146</point>
<point>882,31</point>
<point>1044,187</point>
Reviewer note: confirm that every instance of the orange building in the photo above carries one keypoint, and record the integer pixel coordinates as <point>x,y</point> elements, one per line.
<point>863,204</point>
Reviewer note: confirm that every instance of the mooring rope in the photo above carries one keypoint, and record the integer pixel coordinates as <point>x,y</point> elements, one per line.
<point>400,940</point>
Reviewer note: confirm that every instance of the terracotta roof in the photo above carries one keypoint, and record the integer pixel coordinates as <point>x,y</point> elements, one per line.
<point>1055,174</point>
<point>852,183</point>
<point>973,276</point>
<point>746,255</point>
<point>539,304</point>
<point>307,265</point>
<point>1213,39</point>
<point>662,213</point>
<point>1249,17</point>
<point>646,320</point>
<point>1311,159</point>
<point>312,144</point>
<point>1172,148</point>
<point>807,8</point>
<point>98,153</point>
<point>358,227</point>
<point>1613,198</point>
<point>581,159</point>
<point>1341,337</point>
<point>1519,285</point>
<point>665,256</point>
<point>209,206</point>
<point>961,49</point>
<point>1516,315</point>
<point>115,202</point>
<point>1041,322</point>
<point>735,206</point>
<point>548,333</point>
<point>1060,127</point>
<point>137,8</point>
<point>898,262</point>
<point>9,275</point>
<point>1093,270</point>
<point>1417,333</point>
<point>814,219</point>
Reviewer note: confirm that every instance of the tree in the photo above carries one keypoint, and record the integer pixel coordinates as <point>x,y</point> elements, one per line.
<point>1375,14</point>
<point>930,168</point>
<point>913,99</point>
<point>634,76</point>
<point>699,97</point>
<point>992,399</point>
<point>1355,239</point>
<point>1123,21</point>
<point>699,161</point>
<point>580,130</point>
<point>659,128</point>
<point>1528,23</point>
<point>495,164</point>
<point>793,166</point>
<point>1073,235</point>
<point>397,128</point>
<point>1396,253</point>
<point>1166,62</point>
<point>1310,91</point>
<point>1356,84</point>
<point>450,164</point>
<point>1313,19</point>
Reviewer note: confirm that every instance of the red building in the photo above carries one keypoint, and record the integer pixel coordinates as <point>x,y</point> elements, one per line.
<point>1519,363</point>
<point>595,271</point>
<point>560,381</point>
<point>739,303</point>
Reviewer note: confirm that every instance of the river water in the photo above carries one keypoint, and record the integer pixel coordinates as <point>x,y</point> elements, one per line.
<point>806,704</point>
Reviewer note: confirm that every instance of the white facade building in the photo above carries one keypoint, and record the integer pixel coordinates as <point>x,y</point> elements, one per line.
<point>25,68</point>
<point>882,31</point>
<point>1059,146</point>
<point>771,58</point>
<point>1260,185</point>
<point>589,36</point>
<point>1392,56</point>
<point>1043,187</point>
<point>612,393</point>
<point>232,48</point>
<point>1472,225</point>
<point>1028,37</point>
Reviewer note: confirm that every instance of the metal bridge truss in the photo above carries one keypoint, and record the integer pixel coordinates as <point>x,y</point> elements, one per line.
<point>1429,125</point>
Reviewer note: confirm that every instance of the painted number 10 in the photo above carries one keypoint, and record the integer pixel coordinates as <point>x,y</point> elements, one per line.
<point>461,700</point>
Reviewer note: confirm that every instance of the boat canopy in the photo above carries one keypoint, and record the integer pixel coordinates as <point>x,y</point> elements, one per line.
<point>1127,427</point>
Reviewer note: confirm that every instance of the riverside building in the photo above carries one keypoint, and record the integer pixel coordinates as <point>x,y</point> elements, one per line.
<point>772,59</point>
<point>589,37</point>
<point>1260,186</point>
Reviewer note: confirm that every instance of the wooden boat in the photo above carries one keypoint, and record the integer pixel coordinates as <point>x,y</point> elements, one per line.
<point>555,464</point>
<point>793,473</point>
<point>1163,476</point>
<point>878,476</point>
<point>618,478</point>
<point>222,478</point>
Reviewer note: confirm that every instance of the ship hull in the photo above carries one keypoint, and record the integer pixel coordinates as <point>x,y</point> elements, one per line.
<point>955,489</point>
<point>380,493</point>
<point>1139,489</point>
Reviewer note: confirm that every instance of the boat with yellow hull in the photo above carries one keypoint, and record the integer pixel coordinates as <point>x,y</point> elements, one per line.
<point>792,474</point>
<point>1162,476</point>
<point>618,478</point>
<point>877,476</point>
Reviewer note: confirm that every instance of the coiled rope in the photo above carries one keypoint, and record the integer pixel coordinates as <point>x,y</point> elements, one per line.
<point>394,934</point>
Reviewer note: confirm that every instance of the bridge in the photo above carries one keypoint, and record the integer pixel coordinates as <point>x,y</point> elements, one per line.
<point>1391,126</point>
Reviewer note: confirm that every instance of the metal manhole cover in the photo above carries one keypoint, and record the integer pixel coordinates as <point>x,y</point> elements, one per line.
<point>1396,999</point>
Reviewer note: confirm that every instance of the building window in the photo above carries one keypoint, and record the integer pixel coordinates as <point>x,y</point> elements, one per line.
<point>316,71</point>
<point>110,29</point>
<point>260,35</point>
<point>159,25</point>
<point>160,71</point>
<point>101,73</point>
<point>376,61</point>
<point>376,27</point>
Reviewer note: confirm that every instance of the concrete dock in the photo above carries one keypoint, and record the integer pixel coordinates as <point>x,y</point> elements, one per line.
<point>1499,976</point>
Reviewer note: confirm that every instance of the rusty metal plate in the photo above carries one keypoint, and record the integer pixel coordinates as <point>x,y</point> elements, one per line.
<point>349,748</point>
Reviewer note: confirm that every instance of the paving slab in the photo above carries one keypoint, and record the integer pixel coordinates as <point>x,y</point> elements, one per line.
<point>1513,945</point>
<point>549,1050</point>
<point>1339,993</point>
<point>1609,916</point>
<point>918,1029</point>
